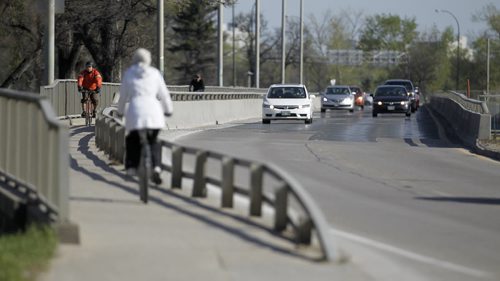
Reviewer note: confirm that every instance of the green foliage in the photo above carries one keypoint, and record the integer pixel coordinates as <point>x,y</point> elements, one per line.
<point>24,255</point>
<point>194,40</point>
<point>387,32</point>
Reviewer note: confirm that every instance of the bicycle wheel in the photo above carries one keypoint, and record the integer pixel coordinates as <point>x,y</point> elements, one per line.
<point>88,114</point>
<point>144,172</point>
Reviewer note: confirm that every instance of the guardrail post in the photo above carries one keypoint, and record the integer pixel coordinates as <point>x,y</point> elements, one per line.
<point>98,133</point>
<point>199,182</point>
<point>120,137</point>
<point>106,136</point>
<point>256,190</point>
<point>304,231</point>
<point>176,176</point>
<point>227,182</point>
<point>112,137</point>
<point>281,207</point>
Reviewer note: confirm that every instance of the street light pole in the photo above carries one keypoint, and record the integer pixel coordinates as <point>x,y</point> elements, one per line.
<point>301,67</point>
<point>234,48</point>
<point>220,65</point>
<point>283,41</point>
<point>50,43</point>
<point>458,45</point>
<point>160,38</point>
<point>257,44</point>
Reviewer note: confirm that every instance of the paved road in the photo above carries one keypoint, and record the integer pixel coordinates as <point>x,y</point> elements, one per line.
<point>387,183</point>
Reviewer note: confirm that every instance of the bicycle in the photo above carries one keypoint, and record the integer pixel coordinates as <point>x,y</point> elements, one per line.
<point>88,107</point>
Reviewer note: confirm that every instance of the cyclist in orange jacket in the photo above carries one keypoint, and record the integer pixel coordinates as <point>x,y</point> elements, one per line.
<point>89,84</point>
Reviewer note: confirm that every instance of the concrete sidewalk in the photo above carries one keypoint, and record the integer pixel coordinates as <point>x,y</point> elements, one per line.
<point>174,237</point>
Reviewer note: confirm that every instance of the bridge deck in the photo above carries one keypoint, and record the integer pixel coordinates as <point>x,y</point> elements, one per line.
<point>174,237</point>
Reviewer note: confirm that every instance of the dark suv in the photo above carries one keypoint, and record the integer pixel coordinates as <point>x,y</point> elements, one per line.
<point>414,96</point>
<point>391,99</point>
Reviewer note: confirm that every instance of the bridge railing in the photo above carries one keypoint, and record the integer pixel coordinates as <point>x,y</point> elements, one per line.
<point>265,184</point>
<point>469,118</point>
<point>64,97</point>
<point>467,103</point>
<point>34,153</point>
<point>493,103</point>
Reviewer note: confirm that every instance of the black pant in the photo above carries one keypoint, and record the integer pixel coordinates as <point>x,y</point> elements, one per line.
<point>133,148</point>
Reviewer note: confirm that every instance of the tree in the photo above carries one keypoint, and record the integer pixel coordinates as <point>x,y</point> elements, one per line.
<point>20,29</point>
<point>102,27</point>
<point>245,23</point>
<point>427,63</point>
<point>387,32</point>
<point>194,40</point>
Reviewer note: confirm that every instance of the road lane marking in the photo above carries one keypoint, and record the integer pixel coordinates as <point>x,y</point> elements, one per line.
<point>410,255</point>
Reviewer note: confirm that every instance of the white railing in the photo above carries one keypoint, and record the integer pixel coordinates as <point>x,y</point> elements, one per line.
<point>34,152</point>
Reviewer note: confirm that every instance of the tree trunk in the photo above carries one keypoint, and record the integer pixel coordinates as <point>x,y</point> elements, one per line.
<point>20,69</point>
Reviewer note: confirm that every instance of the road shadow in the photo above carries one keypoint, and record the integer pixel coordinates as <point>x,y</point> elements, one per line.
<point>465,200</point>
<point>210,220</point>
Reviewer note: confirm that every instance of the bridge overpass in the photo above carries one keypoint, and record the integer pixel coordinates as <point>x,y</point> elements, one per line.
<point>112,176</point>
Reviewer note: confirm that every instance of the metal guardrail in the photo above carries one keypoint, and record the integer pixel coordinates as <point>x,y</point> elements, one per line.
<point>287,192</point>
<point>34,152</point>
<point>493,103</point>
<point>65,99</point>
<point>467,103</point>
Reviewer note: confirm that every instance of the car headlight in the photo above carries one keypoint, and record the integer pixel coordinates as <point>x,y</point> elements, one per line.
<point>325,99</point>
<point>404,103</point>
<point>266,105</point>
<point>305,106</point>
<point>379,103</point>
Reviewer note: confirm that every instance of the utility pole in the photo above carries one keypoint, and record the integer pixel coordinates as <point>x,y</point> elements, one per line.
<point>257,44</point>
<point>220,65</point>
<point>50,43</point>
<point>283,40</point>
<point>488,69</point>
<point>234,48</point>
<point>301,67</point>
<point>457,82</point>
<point>160,38</point>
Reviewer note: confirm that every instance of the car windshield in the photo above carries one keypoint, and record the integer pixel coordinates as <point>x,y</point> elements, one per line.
<point>407,84</point>
<point>287,93</point>
<point>337,91</point>
<point>390,92</point>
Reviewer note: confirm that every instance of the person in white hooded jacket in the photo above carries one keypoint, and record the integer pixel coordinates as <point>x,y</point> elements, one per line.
<point>149,101</point>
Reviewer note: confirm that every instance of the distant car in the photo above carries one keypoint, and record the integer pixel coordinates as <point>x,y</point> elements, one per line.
<point>391,99</point>
<point>338,98</point>
<point>287,102</point>
<point>359,97</point>
<point>415,97</point>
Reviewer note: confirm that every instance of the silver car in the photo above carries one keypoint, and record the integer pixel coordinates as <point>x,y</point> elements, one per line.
<point>338,98</point>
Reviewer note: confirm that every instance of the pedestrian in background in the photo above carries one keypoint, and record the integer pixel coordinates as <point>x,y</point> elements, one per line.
<point>197,84</point>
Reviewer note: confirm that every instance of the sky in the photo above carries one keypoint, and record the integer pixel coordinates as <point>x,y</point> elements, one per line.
<point>422,10</point>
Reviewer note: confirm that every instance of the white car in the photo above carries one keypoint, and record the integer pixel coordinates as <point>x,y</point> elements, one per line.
<point>286,102</point>
<point>338,98</point>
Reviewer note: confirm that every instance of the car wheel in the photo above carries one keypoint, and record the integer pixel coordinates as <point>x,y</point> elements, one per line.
<point>408,114</point>
<point>308,121</point>
<point>266,121</point>
<point>323,110</point>
<point>351,110</point>
<point>374,114</point>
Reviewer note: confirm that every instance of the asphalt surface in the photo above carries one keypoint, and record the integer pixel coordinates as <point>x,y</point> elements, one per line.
<point>403,204</point>
<point>392,184</point>
<point>176,237</point>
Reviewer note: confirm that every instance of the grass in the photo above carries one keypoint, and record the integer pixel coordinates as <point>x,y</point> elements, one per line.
<point>24,255</point>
